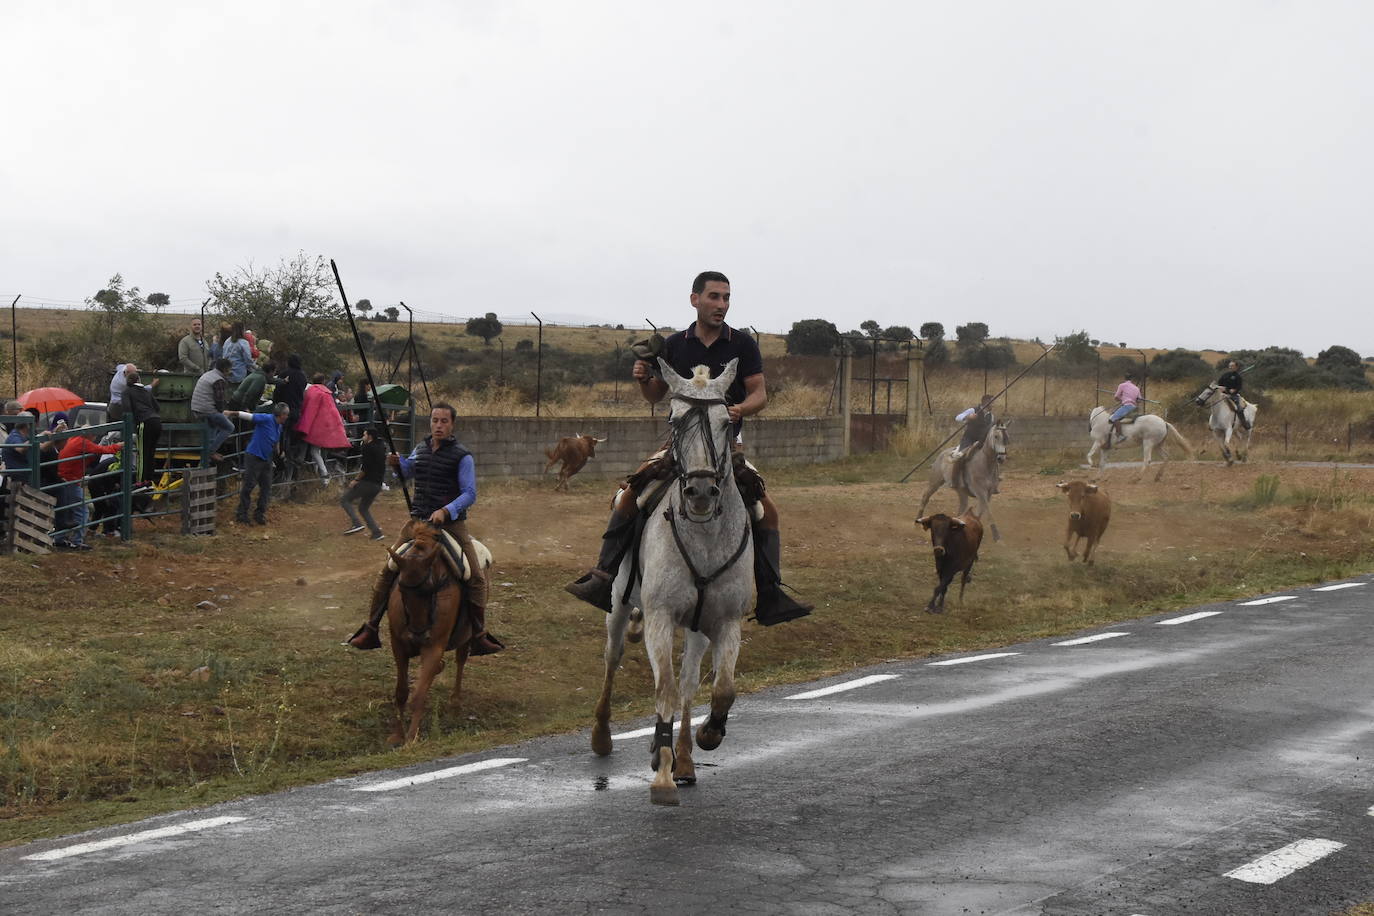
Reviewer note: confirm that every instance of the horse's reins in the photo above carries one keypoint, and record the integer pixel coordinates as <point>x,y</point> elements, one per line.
<point>429,588</point>
<point>699,409</point>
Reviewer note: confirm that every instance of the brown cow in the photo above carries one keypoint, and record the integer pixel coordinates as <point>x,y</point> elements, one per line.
<point>573,451</point>
<point>1089,511</point>
<point>955,542</point>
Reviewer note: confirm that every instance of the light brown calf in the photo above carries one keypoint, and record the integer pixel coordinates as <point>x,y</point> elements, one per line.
<point>573,451</point>
<point>1089,511</point>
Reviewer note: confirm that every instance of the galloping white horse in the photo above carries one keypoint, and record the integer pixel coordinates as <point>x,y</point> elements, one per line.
<point>1225,422</point>
<point>695,573</point>
<point>979,480</point>
<point>1149,430</point>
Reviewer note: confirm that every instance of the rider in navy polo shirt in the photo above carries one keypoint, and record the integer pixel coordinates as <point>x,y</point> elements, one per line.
<point>709,342</point>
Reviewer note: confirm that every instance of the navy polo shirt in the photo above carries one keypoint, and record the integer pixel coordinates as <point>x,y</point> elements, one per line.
<point>684,351</point>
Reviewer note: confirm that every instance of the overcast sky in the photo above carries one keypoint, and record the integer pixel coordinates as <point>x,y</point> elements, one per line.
<point>1167,174</point>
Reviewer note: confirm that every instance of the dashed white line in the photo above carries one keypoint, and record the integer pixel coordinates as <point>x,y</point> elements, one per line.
<point>129,839</point>
<point>1283,862</point>
<point>439,774</point>
<point>1332,588</point>
<point>974,658</point>
<point>1370,812</point>
<point>1186,618</point>
<point>1084,640</point>
<point>1274,600</point>
<point>841,688</point>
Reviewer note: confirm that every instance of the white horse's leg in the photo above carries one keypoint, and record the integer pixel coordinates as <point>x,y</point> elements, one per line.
<point>615,649</point>
<point>689,679</point>
<point>726,653</point>
<point>658,641</point>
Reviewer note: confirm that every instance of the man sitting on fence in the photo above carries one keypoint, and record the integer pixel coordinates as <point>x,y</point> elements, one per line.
<point>209,399</point>
<point>257,460</point>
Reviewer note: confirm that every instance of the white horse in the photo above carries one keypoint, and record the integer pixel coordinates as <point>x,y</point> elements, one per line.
<point>979,480</point>
<point>694,573</point>
<point>1225,422</point>
<point>1149,430</point>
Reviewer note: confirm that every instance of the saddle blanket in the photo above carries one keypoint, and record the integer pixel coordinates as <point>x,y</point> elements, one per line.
<point>453,555</point>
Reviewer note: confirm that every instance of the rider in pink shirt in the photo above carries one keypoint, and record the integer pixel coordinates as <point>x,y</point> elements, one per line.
<point>1126,395</point>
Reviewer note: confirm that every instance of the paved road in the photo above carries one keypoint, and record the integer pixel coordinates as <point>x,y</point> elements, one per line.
<point>1189,764</point>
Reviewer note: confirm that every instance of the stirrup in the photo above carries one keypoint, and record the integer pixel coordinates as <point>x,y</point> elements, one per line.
<point>593,588</point>
<point>367,637</point>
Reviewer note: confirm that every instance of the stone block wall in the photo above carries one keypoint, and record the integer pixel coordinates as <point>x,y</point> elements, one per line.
<point>515,446</point>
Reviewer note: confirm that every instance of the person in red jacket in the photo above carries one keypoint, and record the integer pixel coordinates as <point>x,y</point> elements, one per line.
<point>76,455</point>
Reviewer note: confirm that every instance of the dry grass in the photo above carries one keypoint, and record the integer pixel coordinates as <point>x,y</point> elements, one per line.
<point>130,700</point>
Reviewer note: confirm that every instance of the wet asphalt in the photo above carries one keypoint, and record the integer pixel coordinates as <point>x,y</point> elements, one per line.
<point>1122,776</point>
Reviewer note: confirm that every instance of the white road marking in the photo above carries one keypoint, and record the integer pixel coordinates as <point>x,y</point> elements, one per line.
<point>1332,588</point>
<point>1276,599</point>
<point>1186,618</point>
<point>841,688</point>
<point>1083,640</point>
<point>974,658</point>
<point>130,839</point>
<point>440,774</point>
<point>1283,862</point>
<point>699,713</point>
<point>1370,812</point>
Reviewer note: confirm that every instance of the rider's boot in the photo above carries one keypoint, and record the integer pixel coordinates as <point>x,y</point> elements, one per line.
<point>595,586</point>
<point>366,637</point>
<point>483,643</point>
<point>774,606</point>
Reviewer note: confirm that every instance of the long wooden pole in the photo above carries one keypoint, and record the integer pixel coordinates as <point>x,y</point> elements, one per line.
<point>14,342</point>
<point>994,397</point>
<point>367,369</point>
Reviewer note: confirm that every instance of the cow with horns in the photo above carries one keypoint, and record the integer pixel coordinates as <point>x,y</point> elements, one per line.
<point>574,452</point>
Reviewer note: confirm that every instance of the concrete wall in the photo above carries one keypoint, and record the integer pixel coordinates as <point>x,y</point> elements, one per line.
<point>1048,434</point>
<point>515,446</point>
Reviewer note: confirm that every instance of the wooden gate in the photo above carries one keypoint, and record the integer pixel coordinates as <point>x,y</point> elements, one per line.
<point>29,512</point>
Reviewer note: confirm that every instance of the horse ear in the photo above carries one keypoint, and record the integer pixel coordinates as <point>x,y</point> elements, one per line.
<point>669,374</point>
<point>727,375</point>
<point>1006,422</point>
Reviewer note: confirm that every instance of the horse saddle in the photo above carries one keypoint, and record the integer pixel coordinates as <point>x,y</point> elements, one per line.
<point>453,555</point>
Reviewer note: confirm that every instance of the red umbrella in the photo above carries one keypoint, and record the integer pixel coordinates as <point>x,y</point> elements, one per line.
<point>48,400</point>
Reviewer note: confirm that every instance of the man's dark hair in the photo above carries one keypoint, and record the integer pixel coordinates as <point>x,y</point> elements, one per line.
<point>706,276</point>
<point>269,368</point>
<point>452,411</point>
<point>223,365</point>
<point>317,378</point>
<point>371,431</point>
<point>1129,376</point>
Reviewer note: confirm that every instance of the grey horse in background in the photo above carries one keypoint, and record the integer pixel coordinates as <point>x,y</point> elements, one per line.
<point>979,480</point>
<point>1225,422</point>
<point>695,574</point>
<point>1149,430</point>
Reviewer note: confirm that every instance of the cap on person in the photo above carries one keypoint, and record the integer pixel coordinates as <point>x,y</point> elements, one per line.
<point>59,417</point>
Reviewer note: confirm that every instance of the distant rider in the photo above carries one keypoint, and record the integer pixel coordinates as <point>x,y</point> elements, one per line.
<point>978,421</point>
<point>1231,382</point>
<point>1127,394</point>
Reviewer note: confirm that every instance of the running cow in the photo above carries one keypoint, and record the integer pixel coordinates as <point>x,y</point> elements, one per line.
<point>955,542</point>
<point>573,451</point>
<point>1089,511</point>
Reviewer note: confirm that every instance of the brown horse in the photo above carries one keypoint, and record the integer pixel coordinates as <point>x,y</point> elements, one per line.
<point>425,620</point>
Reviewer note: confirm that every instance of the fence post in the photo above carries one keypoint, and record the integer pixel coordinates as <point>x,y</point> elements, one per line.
<point>539,367</point>
<point>126,478</point>
<point>915,383</point>
<point>846,384</point>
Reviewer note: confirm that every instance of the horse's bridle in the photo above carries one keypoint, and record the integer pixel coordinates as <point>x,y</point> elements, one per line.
<point>429,588</point>
<point>720,463</point>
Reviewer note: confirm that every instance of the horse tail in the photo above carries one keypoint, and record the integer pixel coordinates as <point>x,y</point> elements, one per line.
<point>1172,432</point>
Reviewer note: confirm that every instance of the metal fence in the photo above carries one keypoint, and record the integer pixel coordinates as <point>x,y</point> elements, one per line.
<point>109,497</point>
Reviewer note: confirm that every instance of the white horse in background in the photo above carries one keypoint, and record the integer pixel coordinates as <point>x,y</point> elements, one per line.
<point>979,480</point>
<point>1225,422</point>
<point>1149,430</point>
<point>695,573</point>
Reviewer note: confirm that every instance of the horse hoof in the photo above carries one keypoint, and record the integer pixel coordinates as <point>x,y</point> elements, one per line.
<point>601,740</point>
<point>708,739</point>
<point>686,779</point>
<point>664,795</point>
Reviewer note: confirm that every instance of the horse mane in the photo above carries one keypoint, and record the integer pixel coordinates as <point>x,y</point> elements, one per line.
<point>701,376</point>
<point>424,536</point>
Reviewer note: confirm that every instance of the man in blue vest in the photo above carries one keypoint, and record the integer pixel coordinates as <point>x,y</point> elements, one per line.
<point>445,488</point>
<point>709,342</point>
